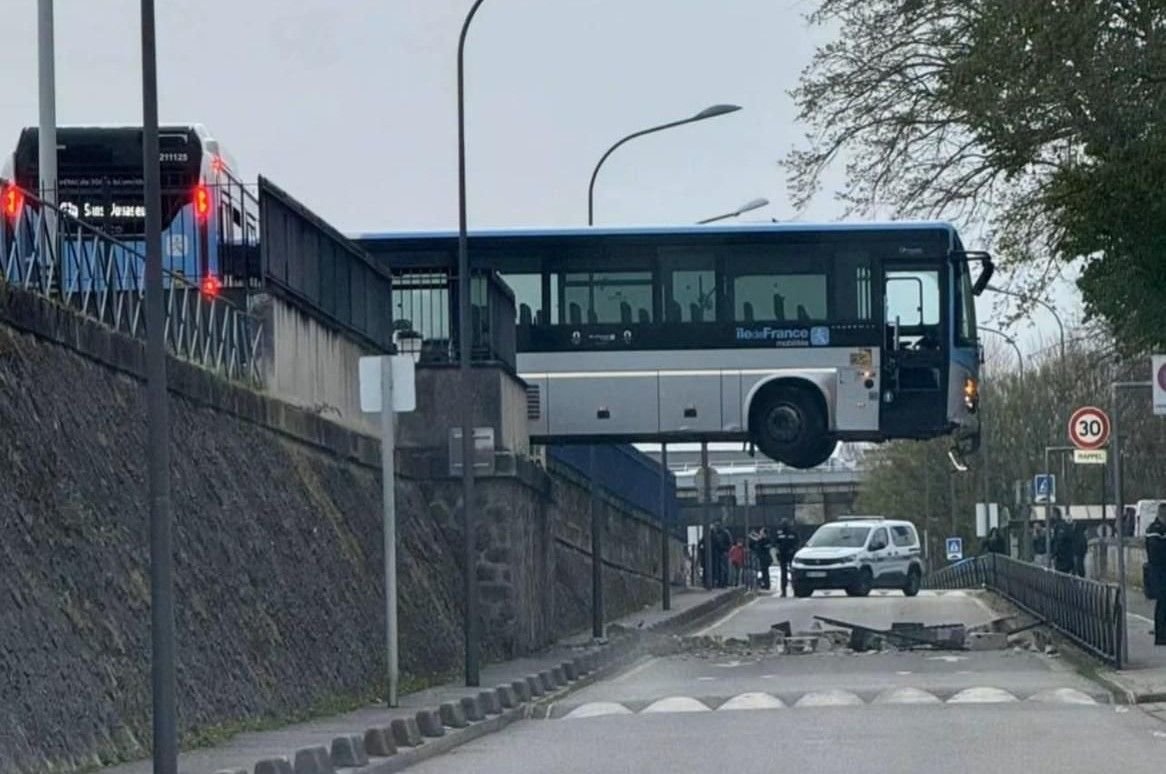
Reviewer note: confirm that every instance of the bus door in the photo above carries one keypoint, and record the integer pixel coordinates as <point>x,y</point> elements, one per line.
<point>915,359</point>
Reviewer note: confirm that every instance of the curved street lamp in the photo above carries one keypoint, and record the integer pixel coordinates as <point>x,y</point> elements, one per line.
<point>709,112</point>
<point>749,206</point>
<point>1039,302</point>
<point>1010,340</point>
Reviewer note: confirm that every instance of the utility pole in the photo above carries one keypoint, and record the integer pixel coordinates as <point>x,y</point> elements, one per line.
<point>47,81</point>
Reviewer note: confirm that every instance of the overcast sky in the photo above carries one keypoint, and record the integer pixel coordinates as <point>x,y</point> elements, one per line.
<point>351,105</point>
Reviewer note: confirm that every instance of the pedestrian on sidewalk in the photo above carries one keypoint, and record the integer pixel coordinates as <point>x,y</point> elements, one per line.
<point>1080,548</point>
<point>1156,554</point>
<point>760,543</point>
<point>737,561</point>
<point>787,545</point>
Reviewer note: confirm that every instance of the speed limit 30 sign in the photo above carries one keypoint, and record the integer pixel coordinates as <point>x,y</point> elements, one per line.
<point>1089,428</point>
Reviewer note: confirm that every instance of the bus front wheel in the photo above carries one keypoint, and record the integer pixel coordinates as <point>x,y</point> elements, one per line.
<point>789,425</point>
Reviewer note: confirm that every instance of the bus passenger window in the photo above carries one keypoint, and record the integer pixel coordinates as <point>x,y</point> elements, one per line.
<point>528,295</point>
<point>777,293</point>
<point>607,297</point>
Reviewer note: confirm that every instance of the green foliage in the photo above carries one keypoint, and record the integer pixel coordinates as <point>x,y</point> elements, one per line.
<point>1022,414</point>
<point>1042,119</point>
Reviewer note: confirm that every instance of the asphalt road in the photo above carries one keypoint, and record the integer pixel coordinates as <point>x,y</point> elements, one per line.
<point>901,712</point>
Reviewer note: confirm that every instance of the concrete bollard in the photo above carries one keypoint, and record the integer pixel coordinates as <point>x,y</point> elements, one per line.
<point>488,701</point>
<point>452,715</point>
<point>379,742</point>
<point>429,723</point>
<point>313,760</point>
<point>348,752</point>
<point>581,665</point>
<point>570,670</point>
<point>507,696</point>
<point>406,732</point>
<point>472,708</point>
<point>231,771</point>
<point>547,682</point>
<point>559,676</point>
<point>521,689</point>
<point>274,766</point>
<point>535,685</point>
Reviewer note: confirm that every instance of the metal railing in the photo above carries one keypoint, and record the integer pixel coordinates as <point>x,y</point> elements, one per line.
<point>425,307</point>
<point>1086,611</point>
<point>49,252</point>
<point>624,472</point>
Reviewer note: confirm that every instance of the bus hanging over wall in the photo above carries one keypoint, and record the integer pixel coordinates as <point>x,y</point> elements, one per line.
<point>791,336</point>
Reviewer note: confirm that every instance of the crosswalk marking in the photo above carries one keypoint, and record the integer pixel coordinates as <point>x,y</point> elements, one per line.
<point>758,700</point>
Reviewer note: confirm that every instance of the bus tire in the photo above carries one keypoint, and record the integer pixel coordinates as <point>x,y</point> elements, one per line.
<point>788,424</point>
<point>818,455</point>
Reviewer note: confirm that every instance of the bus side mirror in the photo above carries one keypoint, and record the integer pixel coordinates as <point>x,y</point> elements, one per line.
<point>987,269</point>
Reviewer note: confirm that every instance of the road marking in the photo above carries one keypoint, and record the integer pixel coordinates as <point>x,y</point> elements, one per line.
<point>906,696</point>
<point>1141,618</point>
<point>982,695</point>
<point>1063,696</point>
<point>676,704</point>
<point>752,701</point>
<point>728,617</point>
<point>831,698</point>
<point>597,708</point>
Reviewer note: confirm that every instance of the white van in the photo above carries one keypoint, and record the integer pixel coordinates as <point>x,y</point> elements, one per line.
<point>858,554</point>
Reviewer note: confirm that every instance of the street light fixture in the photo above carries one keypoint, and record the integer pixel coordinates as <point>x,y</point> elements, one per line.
<point>1010,340</point>
<point>749,206</point>
<point>709,112</point>
<point>1039,302</point>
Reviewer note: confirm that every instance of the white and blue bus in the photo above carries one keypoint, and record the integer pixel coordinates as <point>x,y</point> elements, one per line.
<point>790,336</point>
<point>210,222</point>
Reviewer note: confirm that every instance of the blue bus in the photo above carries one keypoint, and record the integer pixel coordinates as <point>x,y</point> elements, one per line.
<point>210,221</point>
<point>792,337</point>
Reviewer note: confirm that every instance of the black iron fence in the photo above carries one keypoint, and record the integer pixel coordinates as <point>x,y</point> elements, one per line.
<point>1089,612</point>
<point>425,305</point>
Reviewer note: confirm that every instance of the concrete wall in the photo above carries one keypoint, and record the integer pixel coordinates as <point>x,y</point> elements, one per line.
<point>498,399</point>
<point>307,364</point>
<point>277,553</point>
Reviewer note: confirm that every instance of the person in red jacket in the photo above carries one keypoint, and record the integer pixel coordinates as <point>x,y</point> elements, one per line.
<point>737,560</point>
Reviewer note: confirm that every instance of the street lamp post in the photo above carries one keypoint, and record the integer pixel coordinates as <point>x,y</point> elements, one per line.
<point>597,616</point>
<point>470,618</point>
<point>984,439</point>
<point>709,112</point>
<point>754,204</point>
<point>162,638</point>
<point>1045,304</point>
<point>1011,341</point>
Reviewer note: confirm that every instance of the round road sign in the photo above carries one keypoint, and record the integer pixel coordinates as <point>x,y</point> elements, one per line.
<point>1089,428</point>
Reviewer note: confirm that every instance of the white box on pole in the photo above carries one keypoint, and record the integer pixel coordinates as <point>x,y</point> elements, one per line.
<point>993,516</point>
<point>1158,377</point>
<point>404,384</point>
<point>981,520</point>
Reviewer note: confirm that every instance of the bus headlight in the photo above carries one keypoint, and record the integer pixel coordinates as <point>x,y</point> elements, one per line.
<point>971,393</point>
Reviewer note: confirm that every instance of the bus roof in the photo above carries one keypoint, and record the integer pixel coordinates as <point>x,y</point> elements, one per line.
<point>736,228</point>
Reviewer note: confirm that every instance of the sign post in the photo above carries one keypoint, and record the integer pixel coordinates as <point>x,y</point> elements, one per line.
<point>1089,428</point>
<point>387,386</point>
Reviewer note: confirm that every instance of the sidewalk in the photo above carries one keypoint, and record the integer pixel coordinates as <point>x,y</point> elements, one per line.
<point>1143,680</point>
<point>443,717</point>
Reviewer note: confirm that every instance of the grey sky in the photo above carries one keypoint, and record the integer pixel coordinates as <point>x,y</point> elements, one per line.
<point>351,105</point>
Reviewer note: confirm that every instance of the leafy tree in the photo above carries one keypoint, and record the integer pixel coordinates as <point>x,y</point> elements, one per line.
<point>1042,120</point>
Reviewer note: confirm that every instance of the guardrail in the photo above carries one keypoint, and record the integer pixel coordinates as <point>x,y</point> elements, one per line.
<point>1086,611</point>
<point>48,252</point>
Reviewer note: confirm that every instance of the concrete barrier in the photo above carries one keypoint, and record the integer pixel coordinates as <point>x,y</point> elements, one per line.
<point>559,676</point>
<point>488,700</point>
<point>507,696</point>
<point>313,760</point>
<point>379,742</point>
<point>452,715</point>
<point>535,685</point>
<point>406,732</point>
<point>472,708</point>
<point>429,723</point>
<point>569,669</point>
<point>348,752</point>
<point>274,766</point>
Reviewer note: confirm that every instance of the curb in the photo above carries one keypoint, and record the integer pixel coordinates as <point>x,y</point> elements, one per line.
<point>589,667</point>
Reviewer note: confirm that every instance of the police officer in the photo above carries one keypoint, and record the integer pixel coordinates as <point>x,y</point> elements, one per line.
<point>1156,554</point>
<point>786,542</point>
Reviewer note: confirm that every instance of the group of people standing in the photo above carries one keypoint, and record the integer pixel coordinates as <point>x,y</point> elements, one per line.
<point>743,561</point>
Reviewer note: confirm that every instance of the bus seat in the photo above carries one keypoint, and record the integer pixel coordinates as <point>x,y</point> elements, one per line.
<point>524,314</point>
<point>575,313</point>
<point>625,312</point>
<point>592,317</point>
<point>778,306</point>
<point>803,315</point>
<point>645,318</point>
<point>748,310</point>
<point>673,314</point>
<point>540,317</point>
<point>696,312</point>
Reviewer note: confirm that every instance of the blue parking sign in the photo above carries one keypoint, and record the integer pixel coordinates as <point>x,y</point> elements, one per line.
<point>1044,488</point>
<point>955,549</point>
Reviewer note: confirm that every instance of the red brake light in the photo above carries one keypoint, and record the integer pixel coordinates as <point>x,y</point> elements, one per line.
<point>202,202</point>
<point>211,286</point>
<point>13,200</point>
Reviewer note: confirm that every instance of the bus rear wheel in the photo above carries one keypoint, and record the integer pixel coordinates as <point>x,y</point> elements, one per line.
<point>788,424</point>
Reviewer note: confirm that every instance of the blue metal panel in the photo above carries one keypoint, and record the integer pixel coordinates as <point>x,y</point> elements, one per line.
<point>625,472</point>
